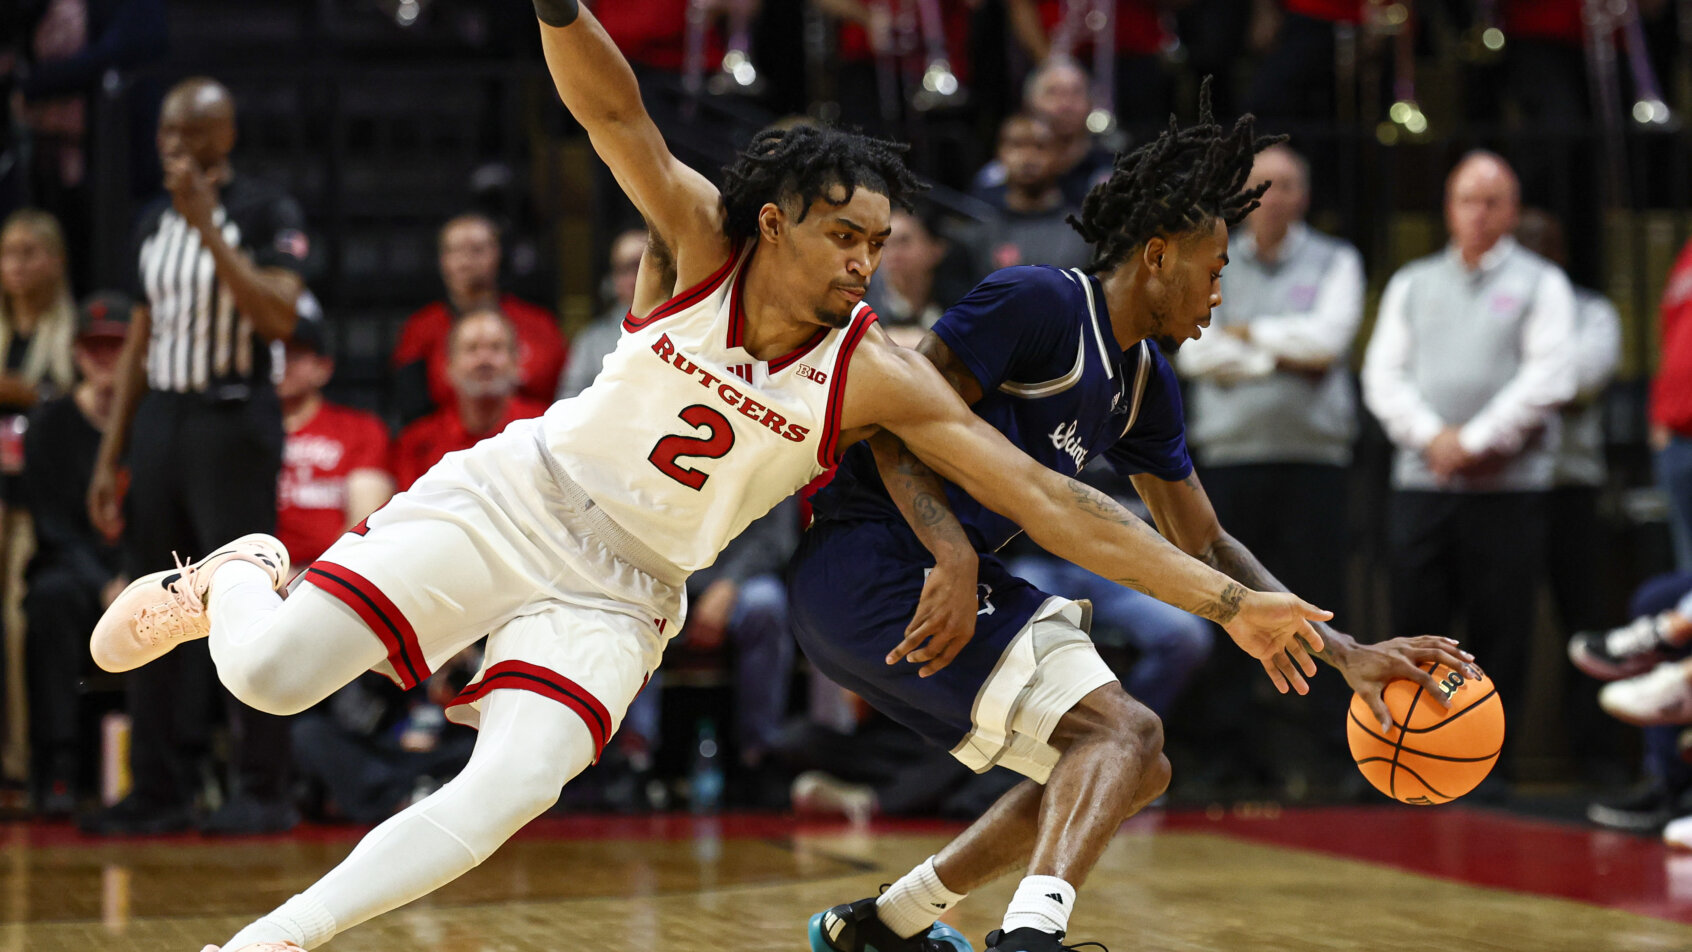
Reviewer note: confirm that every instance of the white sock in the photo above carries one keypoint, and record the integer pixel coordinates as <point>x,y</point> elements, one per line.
<point>911,905</point>
<point>1041,902</point>
<point>300,920</point>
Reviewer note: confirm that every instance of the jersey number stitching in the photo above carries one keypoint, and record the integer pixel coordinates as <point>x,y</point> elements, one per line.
<point>714,446</point>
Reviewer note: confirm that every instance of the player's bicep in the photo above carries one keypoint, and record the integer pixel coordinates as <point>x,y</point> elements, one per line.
<point>951,367</point>
<point>935,424</point>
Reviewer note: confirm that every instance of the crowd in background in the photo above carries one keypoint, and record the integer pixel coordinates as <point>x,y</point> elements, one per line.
<point>1476,382</point>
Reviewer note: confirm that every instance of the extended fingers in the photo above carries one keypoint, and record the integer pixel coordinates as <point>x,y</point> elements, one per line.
<point>1285,665</point>
<point>1275,675</point>
<point>915,635</point>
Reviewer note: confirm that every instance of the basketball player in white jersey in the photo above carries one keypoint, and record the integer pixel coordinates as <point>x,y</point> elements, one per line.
<point>566,540</point>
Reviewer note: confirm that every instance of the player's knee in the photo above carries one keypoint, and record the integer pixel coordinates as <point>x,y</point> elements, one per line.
<point>528,789</point>
<point>1154,780</point>
<point>1140,734</point>
<point>262,677</point>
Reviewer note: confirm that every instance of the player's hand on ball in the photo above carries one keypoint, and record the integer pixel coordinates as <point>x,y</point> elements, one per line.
<point>1368,668</point>
<point>1274,628</point>
<point>945,617</point>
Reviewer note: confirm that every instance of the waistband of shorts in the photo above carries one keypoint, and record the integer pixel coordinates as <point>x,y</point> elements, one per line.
<point>621,542</point>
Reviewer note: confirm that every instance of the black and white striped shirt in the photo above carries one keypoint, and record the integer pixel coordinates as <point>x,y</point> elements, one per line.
<point>200,341</point>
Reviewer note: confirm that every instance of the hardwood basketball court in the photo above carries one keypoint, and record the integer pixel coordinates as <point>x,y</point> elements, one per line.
<point>1381,879</point>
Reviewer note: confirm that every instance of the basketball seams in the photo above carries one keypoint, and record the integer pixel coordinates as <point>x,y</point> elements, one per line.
<point>1365,728</point>
<point>1380,758</point>
<point>1476,703</point>
<point>1409,712</point>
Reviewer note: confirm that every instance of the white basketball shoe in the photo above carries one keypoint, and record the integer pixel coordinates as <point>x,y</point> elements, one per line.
<point>260,947</point>
<point>1662,695</point>
<point>157,612</point>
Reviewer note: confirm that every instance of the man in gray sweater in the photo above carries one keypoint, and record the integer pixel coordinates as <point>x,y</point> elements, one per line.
<point>1472,355</point>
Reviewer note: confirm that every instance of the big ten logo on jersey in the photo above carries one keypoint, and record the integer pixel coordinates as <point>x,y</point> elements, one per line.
<point>727,393</point>
<point>811,373</point>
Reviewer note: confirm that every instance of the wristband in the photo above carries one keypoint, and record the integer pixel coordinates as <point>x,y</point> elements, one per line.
<point>557,12</point>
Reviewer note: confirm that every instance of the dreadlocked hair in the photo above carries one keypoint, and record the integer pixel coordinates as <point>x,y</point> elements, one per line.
<point>1185,178</point>
<point>804,163</point>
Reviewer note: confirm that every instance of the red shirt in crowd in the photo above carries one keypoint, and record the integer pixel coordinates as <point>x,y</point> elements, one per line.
<point>854,45</point>
<point>311,496</point>
<point>654,32</point>
<point>1334,11</point>
<point>541,348</point>
<point>1671,391</point>
<point>1558,20</point>
<point>1139,27</point>
<point>423,443</point>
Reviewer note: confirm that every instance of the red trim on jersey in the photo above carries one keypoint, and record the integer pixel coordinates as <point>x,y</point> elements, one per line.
<point>522,676</point>
<point>781,363</point>
<point>737,308</point>
<point>826,449</point>
<point>380,615</point>
<point>686,299</point>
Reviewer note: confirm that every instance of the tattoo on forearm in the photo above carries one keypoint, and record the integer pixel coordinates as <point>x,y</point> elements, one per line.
<point>930,510</point>
<point>1226,606</point>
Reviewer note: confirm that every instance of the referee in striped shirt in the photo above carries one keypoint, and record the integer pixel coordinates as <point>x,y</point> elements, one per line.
<point>218,275</point>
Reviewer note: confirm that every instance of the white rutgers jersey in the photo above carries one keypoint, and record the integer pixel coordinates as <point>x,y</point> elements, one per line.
<point>684,438</point>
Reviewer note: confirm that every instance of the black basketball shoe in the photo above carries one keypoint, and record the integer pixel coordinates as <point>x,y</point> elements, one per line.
<point>854,927</point>
<point>1618,653</point>
<point>1033,940</point>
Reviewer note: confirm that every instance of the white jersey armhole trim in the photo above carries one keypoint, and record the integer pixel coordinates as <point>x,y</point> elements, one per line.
<point>1142,376</point>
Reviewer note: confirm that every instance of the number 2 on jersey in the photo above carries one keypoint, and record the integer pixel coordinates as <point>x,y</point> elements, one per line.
<point>715,445</point>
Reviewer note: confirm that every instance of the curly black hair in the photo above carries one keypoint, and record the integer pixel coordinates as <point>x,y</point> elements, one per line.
<point>1183,179</point>
<point>801,164</point>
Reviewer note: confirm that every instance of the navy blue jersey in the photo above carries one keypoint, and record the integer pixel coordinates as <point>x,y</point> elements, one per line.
<point>1054,382</point>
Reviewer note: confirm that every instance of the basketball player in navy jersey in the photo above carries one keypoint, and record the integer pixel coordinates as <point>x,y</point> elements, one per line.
<point>1068,365</point>
<point>567,539</point>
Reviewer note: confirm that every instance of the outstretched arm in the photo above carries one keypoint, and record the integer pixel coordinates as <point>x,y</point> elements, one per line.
<point>901,392</point>
<point>598,87</point>
<point>1183,512</point>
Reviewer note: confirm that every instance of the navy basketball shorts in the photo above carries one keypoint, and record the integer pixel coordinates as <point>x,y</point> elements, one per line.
<point>854,587</point>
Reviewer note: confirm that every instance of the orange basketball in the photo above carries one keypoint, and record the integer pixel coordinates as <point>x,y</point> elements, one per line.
<point>1439,753</point>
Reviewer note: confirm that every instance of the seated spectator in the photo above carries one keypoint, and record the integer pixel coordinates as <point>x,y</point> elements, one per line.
<point>1642,659</point>
<point>738,603</point>
<point>334,459</point>
<point>1031,222</point>
<point>75,571</point>
<point>904,292</point>
<point>482,365</point>
<point>1058,93</point>
<point>373,748</point>
<point>879,767</point>
<point>591,345</point>
<point>469,258</point>
<point>37,324</point>
<point>37,316</point>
